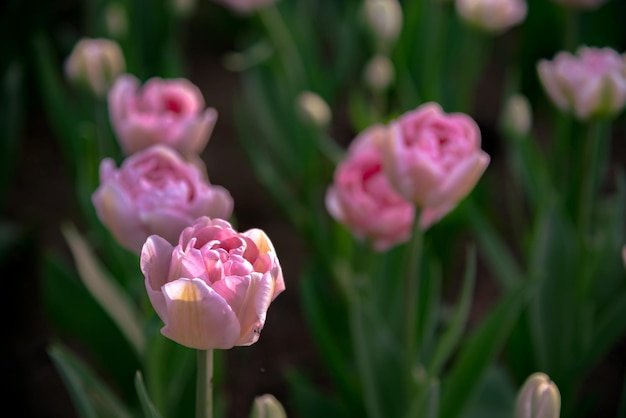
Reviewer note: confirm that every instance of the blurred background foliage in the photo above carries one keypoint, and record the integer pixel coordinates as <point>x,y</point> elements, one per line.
<point>38,179</point>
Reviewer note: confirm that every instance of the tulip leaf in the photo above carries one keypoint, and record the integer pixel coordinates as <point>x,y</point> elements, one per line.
<point>499,259</point>
<point>147,407</point>
<point>90,395</point>
<point>105,290</point>
<point>481,348</point>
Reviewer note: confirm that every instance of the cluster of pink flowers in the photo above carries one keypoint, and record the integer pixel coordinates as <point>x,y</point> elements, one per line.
<point>424,158</point>
<point>210,285</point>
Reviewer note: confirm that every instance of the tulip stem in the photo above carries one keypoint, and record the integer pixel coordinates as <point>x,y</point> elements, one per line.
<point>204,384</point>
<point>412,289</point>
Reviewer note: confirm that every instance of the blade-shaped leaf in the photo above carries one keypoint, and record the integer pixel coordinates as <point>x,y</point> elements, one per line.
<point>148,408</point>
<point>104,288</point>
<point>92,398</point>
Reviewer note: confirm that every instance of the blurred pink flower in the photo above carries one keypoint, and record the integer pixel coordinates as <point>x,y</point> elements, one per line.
<point>245,6</point>
<point>590,84</point>
<point>361,197</point>
<point>492,15</point>
<point>434,159</point>
<point>581,4</point>
<point>155,192</point>
<point>214,288</point>
<point>163,111</point>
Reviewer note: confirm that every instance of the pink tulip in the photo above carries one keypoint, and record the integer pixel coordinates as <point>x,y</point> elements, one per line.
<point>245,6</point>
<point>214,288</point>
<point>163,111</point>
<point>590,84</point>
<point>361,197</point>
<point>155,192</point>
<point>434,159</point>
<point>492,15</point>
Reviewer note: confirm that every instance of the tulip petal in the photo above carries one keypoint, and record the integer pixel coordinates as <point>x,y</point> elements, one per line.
<point>154,263</point>
<point>118,213</point>
<point>265,246</point>
<point>198,317</point>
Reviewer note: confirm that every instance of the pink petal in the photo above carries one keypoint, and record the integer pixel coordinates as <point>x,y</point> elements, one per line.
<point>198,317</point>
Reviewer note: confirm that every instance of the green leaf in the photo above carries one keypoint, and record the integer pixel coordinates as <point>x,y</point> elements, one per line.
<point>106,290</point>
<point>481,349</point>
<point>92,398</point>
<point>148,408</point>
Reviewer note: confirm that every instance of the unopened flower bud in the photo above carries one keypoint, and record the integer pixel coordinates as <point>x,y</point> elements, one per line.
<point>517,115</point>
<point>116,20</point>
<point>384,18</point>
<point>538,398</point>
<point>379,73</point>
<point>492,15</point>
<point>314,109</point>
<point>183,7</point>
<point>267,406</point>
<point>95,63</point>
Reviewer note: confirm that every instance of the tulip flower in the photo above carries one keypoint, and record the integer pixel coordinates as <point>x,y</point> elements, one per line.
<point>434,159</point>
<point>590,84</point>
<point>163,111</point>
<point>213,289</point>
<point>361,197</point>
<point>95,63</point>
<point>155,192</point>
<point>492,15</point>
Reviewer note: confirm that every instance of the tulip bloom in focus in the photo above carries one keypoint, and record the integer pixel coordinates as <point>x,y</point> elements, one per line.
<point>163,111</point>
<point>155,192</point>
<point>590,84</point>
<point>95,63</point>
<point>214,288</point>
<point>434,159</point>
<point>492,15</point>
<point>361,197</point>
<point>245,6</point>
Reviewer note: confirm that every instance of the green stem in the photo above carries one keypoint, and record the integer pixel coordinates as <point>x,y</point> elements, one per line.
<point>204,384</point>
<point>412,289</point>
<point>594,140</point>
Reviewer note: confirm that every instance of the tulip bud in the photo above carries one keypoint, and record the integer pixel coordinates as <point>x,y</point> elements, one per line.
<point>314,109</point>
<point>384,18</point>
<point>379,73</point>
<point>183,7</point>
<point>538,398</point>
<point>116,20</point>
<point>492,15</point>
<point>267,406</point>
<point>95,63</point>
<point>517,115</point>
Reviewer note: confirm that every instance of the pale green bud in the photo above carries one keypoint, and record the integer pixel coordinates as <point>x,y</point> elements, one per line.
<point>517,115</point>
<point>183,7</point>
<point>95,63</point>
<point>267,406</point>
<point>314,109</point>
<point>538,398</point>
<point>379,73</point>
<point>384,18</point>
<point>116,20</point>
